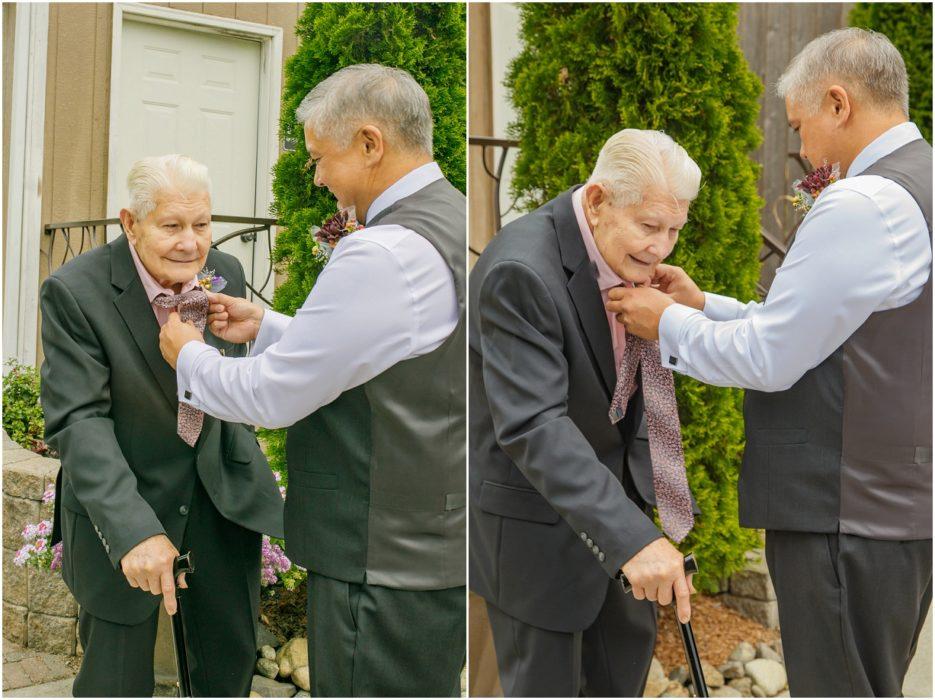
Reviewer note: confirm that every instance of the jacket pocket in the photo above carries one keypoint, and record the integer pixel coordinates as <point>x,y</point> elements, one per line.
<point>516,502</point>
<point>242,445</point>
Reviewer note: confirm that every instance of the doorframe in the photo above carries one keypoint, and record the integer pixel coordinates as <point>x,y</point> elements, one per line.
<point>270,39</point>
<point>24,196</point>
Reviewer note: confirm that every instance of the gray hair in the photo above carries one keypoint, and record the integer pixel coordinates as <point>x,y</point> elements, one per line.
<point>151,176</point>
<point>633,160</point>
<point>862,60</point>
<point>389,97</point>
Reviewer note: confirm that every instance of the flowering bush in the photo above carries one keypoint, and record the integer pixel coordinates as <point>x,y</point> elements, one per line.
<point>36,550</point>
<point>22,415</point>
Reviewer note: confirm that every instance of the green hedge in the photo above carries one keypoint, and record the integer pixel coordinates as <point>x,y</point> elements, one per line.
<point>909,26</point>
<point>426,39</point>
<point>585,72</point>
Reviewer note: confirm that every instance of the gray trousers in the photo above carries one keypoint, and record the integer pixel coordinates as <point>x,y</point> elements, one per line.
<point>850,610</point>
<point>219,609</point>
<point>610,658</point>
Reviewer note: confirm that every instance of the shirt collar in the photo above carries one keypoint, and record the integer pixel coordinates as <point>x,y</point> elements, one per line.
<point>884,144</point>
<point>408,184</point>
<point>152,287</point>
<point>606,277</point>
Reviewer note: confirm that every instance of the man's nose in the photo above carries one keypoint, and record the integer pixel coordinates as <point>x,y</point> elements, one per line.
<point>317,179</point>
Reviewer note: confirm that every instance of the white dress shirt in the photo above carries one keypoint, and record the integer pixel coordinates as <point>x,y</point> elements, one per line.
<point>386,295</point>
<point>863,247</point>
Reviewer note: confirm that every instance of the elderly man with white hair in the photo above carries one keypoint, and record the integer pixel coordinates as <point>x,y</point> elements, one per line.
<point>142,478</point>
<point>562,486</point>
<point>369,377</point>
<point>837,363</point>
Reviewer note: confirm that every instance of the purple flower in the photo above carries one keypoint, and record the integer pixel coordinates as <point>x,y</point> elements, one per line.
<point>336,227</point>
<point>22,555</point>
<point>44,529</point>
<point>56,563</point>
<point>49,494</point>
<point>806,190</point>
<point>282,491</point>
<point>40,545</point>
<point>30,532</point>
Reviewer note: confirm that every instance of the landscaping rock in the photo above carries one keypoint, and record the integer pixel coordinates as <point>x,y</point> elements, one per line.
<point>726,692</point>
<point>732,669</point>
<point>254,694</point>
<point>268,688</point>
<point>769,675</point>
<point>48,594</point>
<point>712,676</point>
<point>764,612</point>
<point>302,694</point>
<point>743,653</point>
<point>675,690</point>
<point>14,580</point>
<point>292,655</point>
<point>753,582</point>
<point>758,692</point>
<point>17,513</point>
<point>657,682</point>
<point>679,674</point>
<point>265,638</point>
<point>300,678</point>
<point>267,667</point>
<point>267,652</point>
<point>51,633</point>
<point>743,685</point>
<point>765,651</point>
<point>777,647</point>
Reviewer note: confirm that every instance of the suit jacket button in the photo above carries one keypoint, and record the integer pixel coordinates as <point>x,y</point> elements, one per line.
<point>183,510</point>
<point>600,557</point>
<point>590,542</point>
<point>595,549</point>
<point>584,536</point>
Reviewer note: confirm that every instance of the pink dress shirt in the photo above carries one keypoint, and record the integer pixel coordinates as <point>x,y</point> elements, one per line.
<point>607,279</point>
<point>154,289</point>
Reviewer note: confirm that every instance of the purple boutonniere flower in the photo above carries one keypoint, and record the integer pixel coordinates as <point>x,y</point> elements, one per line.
<point>332,230</point>
<point>806,190</point>
<point>211,282</point>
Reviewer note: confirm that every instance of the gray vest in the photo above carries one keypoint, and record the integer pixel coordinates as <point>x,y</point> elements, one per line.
<point>376,478</point>
<point>849,446</point>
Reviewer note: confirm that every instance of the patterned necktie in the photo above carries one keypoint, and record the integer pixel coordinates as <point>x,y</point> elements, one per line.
<point>192,306</point>
<point>673,498</point>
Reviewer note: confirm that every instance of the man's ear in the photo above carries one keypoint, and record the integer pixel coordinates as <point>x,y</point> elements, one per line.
<point>595,195</point>
<point>371,141</point>
<point>127,221</point>
<point>840,103</point>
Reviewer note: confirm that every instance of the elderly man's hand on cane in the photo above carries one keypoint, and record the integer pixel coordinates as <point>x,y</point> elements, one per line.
<point>149,566</point>
<point>657,573</point>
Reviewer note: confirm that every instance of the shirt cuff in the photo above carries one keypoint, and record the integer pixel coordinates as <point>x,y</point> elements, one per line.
<point>185,366</point>
<point>272,327</point>
<point>670,330</point>
<point>720,308</point>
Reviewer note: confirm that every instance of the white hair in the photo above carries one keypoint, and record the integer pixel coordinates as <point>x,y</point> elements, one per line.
<point>149,177</point>
<point>634,160</point>
<point>865,62</point>
<point>388,97</point>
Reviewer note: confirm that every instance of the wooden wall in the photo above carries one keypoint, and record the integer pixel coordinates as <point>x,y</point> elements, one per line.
<point>480,118</point>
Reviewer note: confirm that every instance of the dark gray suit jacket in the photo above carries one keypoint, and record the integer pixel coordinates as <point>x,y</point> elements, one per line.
<point>554,511</point>
<point>110,407</point>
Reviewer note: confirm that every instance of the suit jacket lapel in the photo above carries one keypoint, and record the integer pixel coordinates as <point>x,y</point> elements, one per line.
<point>137,313</point>
<point>583,289</point>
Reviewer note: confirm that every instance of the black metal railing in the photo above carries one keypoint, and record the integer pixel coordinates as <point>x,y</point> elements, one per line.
<point>773,244</point>
<point>70,239</point>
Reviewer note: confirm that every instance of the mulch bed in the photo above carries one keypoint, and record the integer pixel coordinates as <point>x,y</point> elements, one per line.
<point>717,628</point>
<point>283,611</point>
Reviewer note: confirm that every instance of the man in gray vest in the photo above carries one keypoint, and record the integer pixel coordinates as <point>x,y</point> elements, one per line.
<point>837,363</point>
<point>370,377</point>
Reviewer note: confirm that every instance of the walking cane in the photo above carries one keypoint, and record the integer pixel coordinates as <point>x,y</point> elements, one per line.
<point>182,564</point>
<point>688,637</point>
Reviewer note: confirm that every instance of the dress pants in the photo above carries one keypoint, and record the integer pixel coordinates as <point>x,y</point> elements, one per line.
<point>610,658</point>
<point>850,610</point>
<point>220,607</point>
<point>372,641</point>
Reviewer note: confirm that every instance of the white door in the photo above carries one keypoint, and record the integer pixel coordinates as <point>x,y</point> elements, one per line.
<point>195,93</point>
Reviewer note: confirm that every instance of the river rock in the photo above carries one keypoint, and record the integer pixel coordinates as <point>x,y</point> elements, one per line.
<point>292,655</point>
<point>726,692</point>
<point>712,676</point>
<point>656,682</point>
<point>765,651</point>
<point>267,652</point>
<point>743,653</point>
<point>300,678</point>
<point>675,690</point>
<point>757,691</point>
<point>732,670</point>
<point>267,667</point>
<point>769,675</point>
<point>264,637</point>
<point>268,688</point>
<point>743,685</point>
<point>679,674</point>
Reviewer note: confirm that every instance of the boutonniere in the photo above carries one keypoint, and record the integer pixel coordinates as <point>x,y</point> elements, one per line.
<point>332,230</point>
<point>806,190</point>
<point>211,282</point>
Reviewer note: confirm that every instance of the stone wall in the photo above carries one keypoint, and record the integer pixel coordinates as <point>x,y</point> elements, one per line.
<point>38,610</point>
<point>751,592</point>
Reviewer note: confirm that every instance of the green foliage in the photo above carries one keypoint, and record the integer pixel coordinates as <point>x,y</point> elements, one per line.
<point>909,26</point>
<point>589,70</point>
<point>22,415</point>
<point>426,39</point>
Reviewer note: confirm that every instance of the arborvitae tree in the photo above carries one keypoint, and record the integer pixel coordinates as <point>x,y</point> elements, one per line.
<point>426,39</point>
<point>585,72</point>
<point>909,26</point>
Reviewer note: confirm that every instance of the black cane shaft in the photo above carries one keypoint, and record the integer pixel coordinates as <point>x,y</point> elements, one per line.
<point>694,660</point>
<point>181,657</point>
